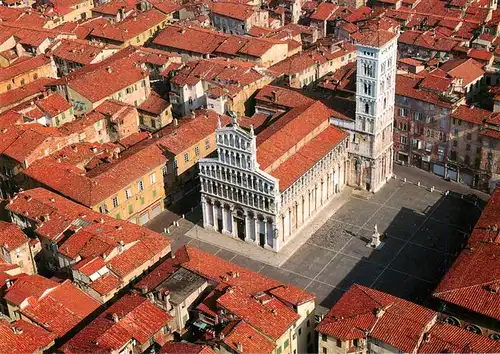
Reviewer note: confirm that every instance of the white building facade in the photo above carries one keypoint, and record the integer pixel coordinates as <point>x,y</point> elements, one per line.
<point>239,199</point>
<point>371,147</point>
<point>243,201</point>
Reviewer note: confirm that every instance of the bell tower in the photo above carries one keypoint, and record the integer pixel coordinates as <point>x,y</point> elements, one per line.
<point>371,146</point>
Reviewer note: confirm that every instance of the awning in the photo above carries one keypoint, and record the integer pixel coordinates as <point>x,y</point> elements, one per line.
<point>200,325</point>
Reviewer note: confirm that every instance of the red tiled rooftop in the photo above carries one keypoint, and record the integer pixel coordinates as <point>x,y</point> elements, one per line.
<point>131,27</point>
<point>389,319</point>
<point>190,131</point>
<point>20,337</point>
<point>280,137</point>
<point>246,337</point>
<point>376,38</point>
<point>467,69</point>
<point>473,278</point>
<point>23,66</point>
<point>472,115</point>
<point>11,236</point>
<point>237,11</point>
<point>307,156</point>
<point>60,308</point>
<point>219,270</point>
<point>281,97</point>
<point>446,338</point>
<point>138,319</point>
<point>185,348</point>
<point>154,104</point>
<point>271,318</point>
<point>53,104</point>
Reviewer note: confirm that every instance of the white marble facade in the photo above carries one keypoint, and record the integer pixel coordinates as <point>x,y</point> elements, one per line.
<point>242,201</point>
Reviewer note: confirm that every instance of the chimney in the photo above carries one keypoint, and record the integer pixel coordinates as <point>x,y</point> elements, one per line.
<point>17,330</point>
<point>109,69</point>
<point>193,115</point>
<point>115,317</point>
<point>427,337</point>
<point>74,148</point>
<point>273,96</point>
<point>240,347</point>
<point>8,283</point>
<point>176,122</point>
<point>52,200</point>
<point>101,221</point>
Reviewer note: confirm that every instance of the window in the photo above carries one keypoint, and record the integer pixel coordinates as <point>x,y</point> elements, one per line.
<point>130,209</point>
<point>115,202</point>
<point>197,151</point>
<point>300,331</point>
<point>467,147</point>
<point>164,170</point>
<point>403,112</point>
<point>128,193</point>
<point>140,185</point>
<point>152,178</point>
<point>455,143</point>
<point>186,157</point>
<point>308,323</point>
<point>103,209</point>
<point>478,149</point>
<point>285,345</point>
<point>469,136</point>
<point>118,216</point>
<point>325,350</point>
<point>403,139</point>
<point>154,193</point>
<point>324,337</point>
<point>207,144</point>
<point>22,81</point>
<point>419,116</point>
<point>339,343</point>
<point>138,40</point>
<point>278,351</point>
<point>367,108</point>
<point>142,200</point>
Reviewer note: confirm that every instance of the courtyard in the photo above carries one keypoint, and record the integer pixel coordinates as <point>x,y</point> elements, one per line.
<point>423,232</point>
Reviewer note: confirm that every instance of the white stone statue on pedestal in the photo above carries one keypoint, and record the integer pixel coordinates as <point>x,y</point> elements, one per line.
<point>375,242</point>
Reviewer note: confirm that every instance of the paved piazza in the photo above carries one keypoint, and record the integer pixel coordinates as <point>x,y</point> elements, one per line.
<point>423,232</point>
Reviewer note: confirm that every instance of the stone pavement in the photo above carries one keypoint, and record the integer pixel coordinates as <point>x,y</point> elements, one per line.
<point>423,233</point>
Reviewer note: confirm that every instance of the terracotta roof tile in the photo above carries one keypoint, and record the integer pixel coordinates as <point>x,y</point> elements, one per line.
<point>389,319</point>
<point>307,156</point>
<point>138,319</point>
<point>467,69</point>
<point>474,279</point>
<point>23,337</point>
<point>250,340</point>
<point>237,11</point>
<point>11,236</point>
<point>58,308</point>
<point>473,115</point>
<point>446,338</point>
<point>280,137</point>
<point>23,66</point>
<point>272,318</point>
<point>185,348</point>
<point>219,270</point>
